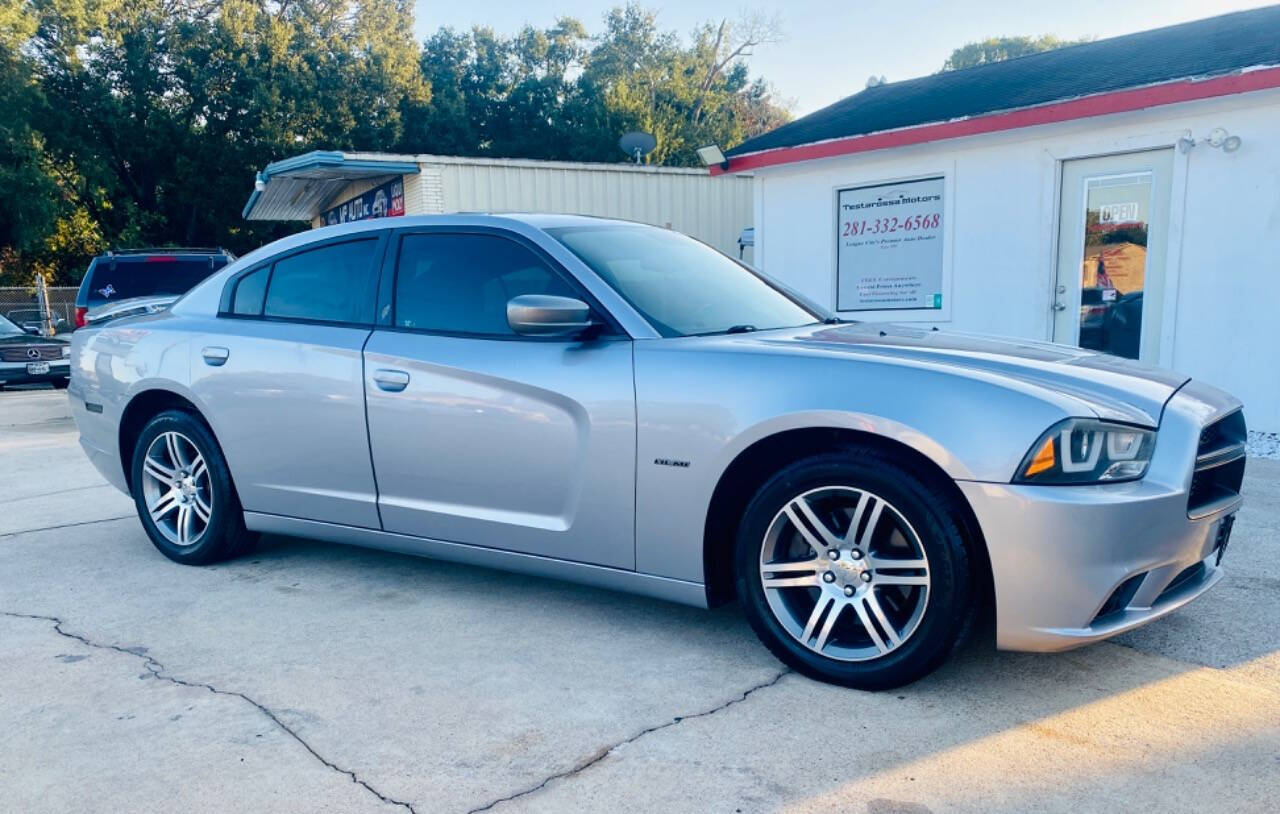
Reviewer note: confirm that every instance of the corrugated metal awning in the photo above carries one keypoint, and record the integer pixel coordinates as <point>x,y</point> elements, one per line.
<point>296,188</point>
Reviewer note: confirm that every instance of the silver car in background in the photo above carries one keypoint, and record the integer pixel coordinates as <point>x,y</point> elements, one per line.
<point>622,406</point>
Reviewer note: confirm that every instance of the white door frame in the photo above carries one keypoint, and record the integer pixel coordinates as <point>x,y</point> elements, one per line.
<point>1053,158</point>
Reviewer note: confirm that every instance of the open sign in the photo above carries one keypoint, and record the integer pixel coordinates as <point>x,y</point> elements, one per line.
<point>1118,213</point>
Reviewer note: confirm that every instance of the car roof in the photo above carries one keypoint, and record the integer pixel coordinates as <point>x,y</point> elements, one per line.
<point>164,251</point>
<point>539,221</point>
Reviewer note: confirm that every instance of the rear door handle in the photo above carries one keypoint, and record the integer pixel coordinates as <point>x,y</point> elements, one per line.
<point>393,381</point>
<point>215,356</point>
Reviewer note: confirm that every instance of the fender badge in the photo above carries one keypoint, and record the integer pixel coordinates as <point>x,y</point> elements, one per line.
<point>671,462</point>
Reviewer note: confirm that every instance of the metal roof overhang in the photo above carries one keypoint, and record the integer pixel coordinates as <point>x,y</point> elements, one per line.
<point>296,188</point>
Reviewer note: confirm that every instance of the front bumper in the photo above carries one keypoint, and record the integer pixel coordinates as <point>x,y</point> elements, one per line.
<point>16,372</point>
<point>1076,564</point>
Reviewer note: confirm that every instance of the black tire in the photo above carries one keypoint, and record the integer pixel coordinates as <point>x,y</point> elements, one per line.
<point>61,384</point>
<point>949,609</point>
<point>225,535</point>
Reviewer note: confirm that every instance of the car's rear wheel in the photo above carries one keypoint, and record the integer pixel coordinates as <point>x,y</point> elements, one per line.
<point>184,494</point>
<point>853,570</point>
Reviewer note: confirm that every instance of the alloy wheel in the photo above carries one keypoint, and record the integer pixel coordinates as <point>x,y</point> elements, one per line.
<point>176,488</point>
<point>844,573</point>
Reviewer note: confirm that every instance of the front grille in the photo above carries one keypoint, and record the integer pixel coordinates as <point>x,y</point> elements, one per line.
<point>1219,465</point>
<point>48,353</point>
<point>1120,597</point>
<point>1184,576</point>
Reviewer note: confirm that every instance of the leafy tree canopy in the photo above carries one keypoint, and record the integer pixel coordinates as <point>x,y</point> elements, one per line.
<point>142,122</point>
<point>998,49</point>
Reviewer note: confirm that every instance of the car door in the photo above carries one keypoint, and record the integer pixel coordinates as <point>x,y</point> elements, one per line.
<point>282,380</point>
<point>485,437</point>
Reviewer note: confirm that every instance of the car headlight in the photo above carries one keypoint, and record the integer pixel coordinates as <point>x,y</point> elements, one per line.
<point>1084,450</point>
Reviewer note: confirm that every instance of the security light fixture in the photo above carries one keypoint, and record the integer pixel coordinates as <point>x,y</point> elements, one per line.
<point>711,155</point>
<point>1218,137</point>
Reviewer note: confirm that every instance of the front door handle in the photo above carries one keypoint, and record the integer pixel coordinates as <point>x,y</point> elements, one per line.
<point>215,356</point>
<point>393,381</point>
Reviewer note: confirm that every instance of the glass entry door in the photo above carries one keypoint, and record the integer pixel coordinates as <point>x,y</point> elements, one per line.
<point>1112,237</point>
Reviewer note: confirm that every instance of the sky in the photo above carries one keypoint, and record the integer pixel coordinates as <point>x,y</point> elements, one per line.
<point>831,48</point>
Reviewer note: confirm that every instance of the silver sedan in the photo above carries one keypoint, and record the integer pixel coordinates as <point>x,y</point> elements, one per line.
<point>622,406</point>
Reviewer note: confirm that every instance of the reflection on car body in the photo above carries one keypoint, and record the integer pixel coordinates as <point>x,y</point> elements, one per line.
<point>620,405</point>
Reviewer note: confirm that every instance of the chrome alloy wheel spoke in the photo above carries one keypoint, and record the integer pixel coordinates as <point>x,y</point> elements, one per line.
<point>809,526</point>
<point>844,573</point>
<point>177,488</point>
<point>161,472</point>
<point>164,504</point>
<point>790,574</point>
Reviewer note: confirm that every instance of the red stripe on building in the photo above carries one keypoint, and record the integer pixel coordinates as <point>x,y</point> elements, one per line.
<point>1102,104</point>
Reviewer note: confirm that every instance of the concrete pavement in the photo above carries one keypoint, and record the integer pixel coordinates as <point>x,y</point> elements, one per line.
<point>313,677</point>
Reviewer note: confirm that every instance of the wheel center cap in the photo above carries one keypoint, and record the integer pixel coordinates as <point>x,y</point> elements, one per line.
<point>851,568</point>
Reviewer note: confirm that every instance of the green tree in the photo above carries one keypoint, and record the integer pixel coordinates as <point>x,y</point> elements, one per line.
<point>26,186</point>
<point>136,122</point>
<point>998,49</point>
<point>555,93</point>
<point>157,112</point>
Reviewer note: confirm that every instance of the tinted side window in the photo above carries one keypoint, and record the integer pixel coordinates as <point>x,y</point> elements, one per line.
<point>330,284</point>
<point>461,283</point>
<point>250,290</point>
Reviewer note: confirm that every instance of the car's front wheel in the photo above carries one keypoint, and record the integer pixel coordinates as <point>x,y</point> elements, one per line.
<point>853,570</point>
<point>184,494</point>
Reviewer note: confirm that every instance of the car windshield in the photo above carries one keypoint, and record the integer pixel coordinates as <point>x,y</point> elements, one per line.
<point>682,287</point>
<point>7,328</point>
<point>149,275</point>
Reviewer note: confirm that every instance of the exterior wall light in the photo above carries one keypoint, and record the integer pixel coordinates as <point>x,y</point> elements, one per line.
<point>711,155</point>
<point>1218,137</point>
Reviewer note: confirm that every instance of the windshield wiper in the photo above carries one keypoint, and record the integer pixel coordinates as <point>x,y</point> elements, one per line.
<point>740,329</point>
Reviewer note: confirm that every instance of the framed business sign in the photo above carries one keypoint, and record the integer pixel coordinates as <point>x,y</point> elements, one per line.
<point>889,246</point>
<point>383,201</point>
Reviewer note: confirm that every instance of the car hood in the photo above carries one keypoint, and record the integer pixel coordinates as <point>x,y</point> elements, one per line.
<point>30,339</point>
<point>1114,388</point>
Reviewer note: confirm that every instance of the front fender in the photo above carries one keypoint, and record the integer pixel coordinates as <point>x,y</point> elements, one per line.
<point>881,426</point>
<point>697,410</point>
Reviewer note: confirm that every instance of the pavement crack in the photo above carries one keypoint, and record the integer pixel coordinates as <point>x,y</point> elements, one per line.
<point>66,526</point>
<point>608,750</point>
<point>158,670</point>
<point>55,492</point>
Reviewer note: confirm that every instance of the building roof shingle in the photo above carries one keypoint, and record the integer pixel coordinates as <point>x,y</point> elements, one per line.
<point>1204,48</point>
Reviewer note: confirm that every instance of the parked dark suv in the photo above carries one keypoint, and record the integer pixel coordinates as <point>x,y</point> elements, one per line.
<point>128,281</point>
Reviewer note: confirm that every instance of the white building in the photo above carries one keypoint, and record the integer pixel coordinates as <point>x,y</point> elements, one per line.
<point>1123,194</point>
<point>331,187</point>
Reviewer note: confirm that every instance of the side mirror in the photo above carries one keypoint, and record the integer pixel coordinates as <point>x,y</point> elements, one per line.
<point>547,315</point>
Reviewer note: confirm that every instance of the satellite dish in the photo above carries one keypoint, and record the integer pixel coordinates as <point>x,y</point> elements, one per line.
<point>637,145</point>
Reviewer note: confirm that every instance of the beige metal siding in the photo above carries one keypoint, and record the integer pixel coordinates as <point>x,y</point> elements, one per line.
<point>714,210</point>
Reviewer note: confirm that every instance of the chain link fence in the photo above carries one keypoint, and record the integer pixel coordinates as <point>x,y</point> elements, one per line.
<point>18,303</point>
